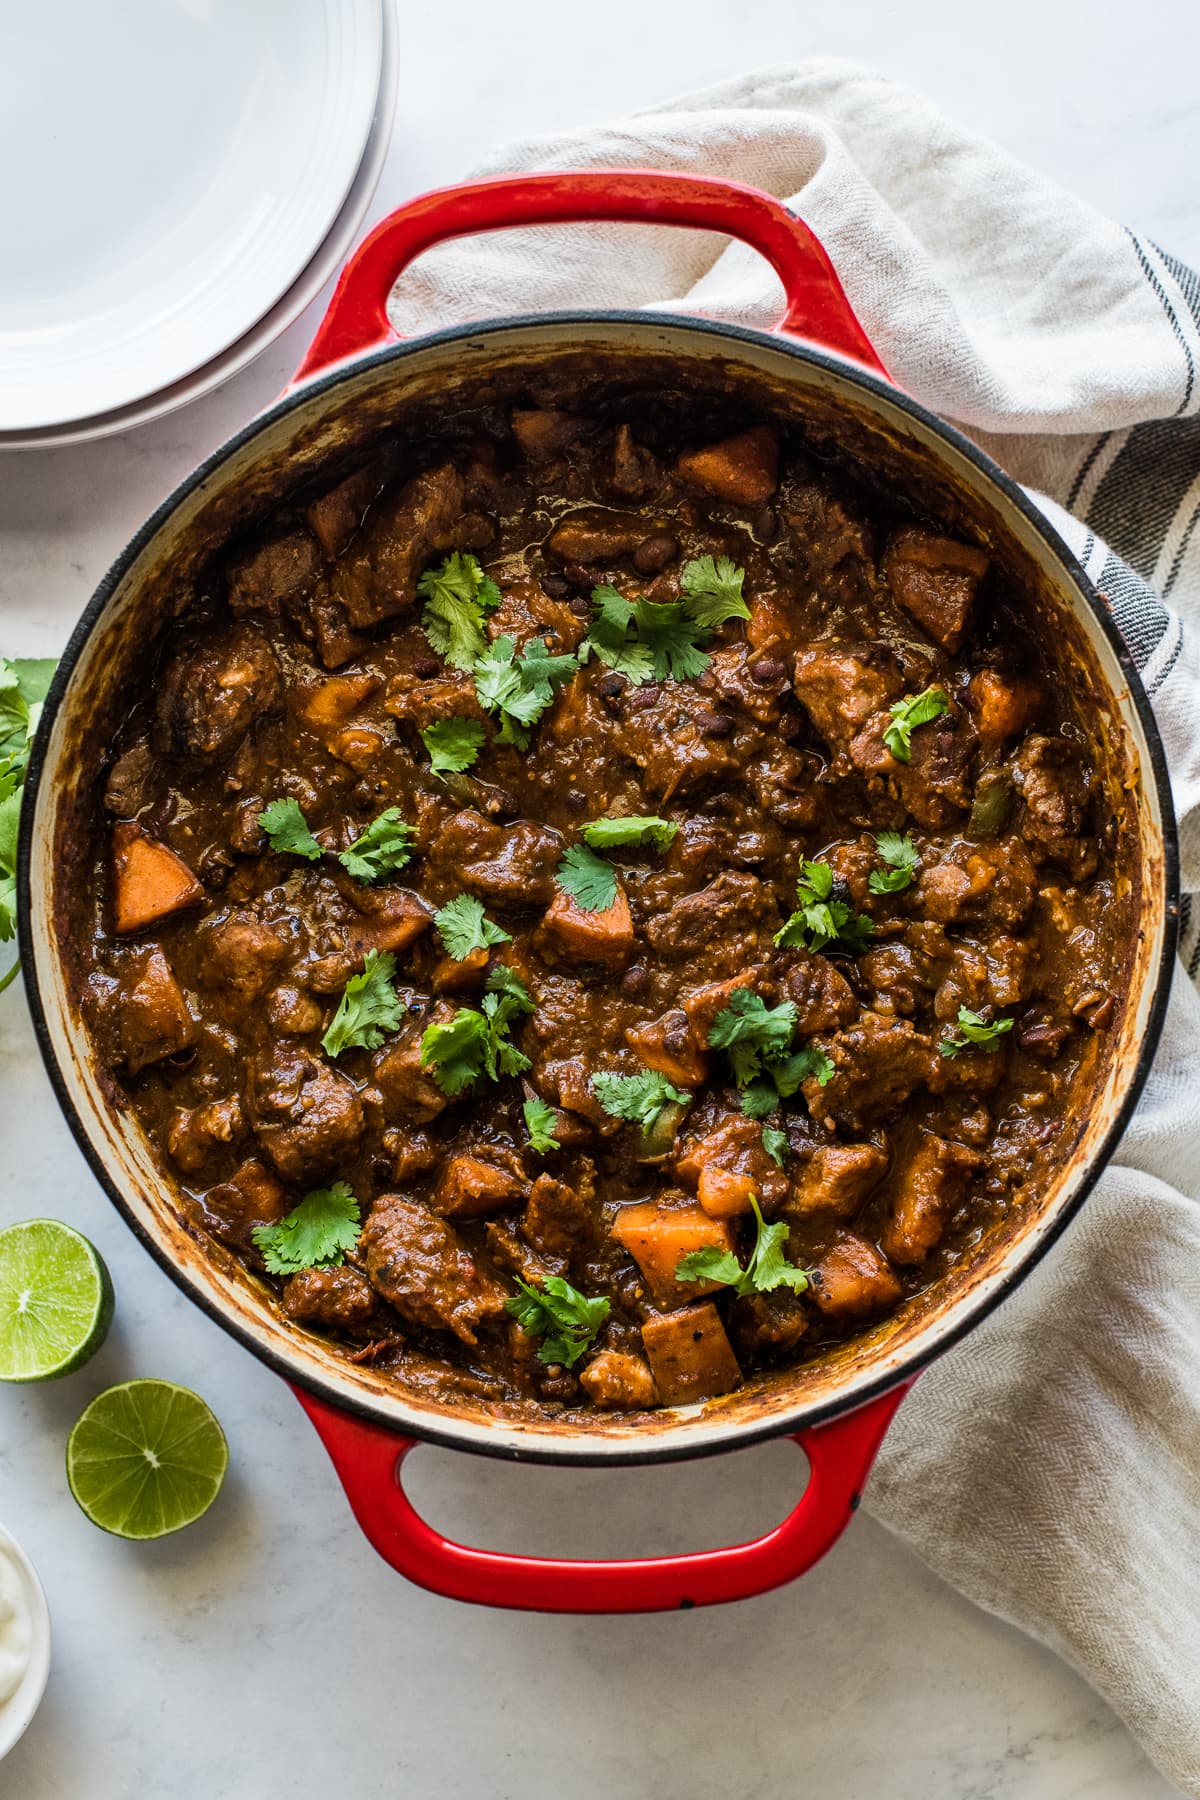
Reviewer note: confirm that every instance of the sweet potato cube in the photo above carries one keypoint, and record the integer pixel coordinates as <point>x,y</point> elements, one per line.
<point>669,1046</point>
<point>454,975</point>
<point>1003,705</point>
<point>724,1193</point>
<point>149,881</point>
<point>704,1003</point>
<point>470,1188</point>
<point>153,1017</point>
<point>332,701</point>
<point>744,470</point>
<point>853,1279</point>
<point>657,1235</point>
<point>599,937</point>
<point>690,1355</point>
<point>395,920</point>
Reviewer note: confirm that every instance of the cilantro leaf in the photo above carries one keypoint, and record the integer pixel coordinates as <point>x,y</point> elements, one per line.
<point>566,1320</point>
<point>368,1009</point>
<point>918,709</point>
<point>612,834</point>
<point>462,927</point>
<point>766,1269</point>
<point>458,597</point>
<point>609,638</point>
<point>287,831</point>
<point>519,688</point>
<point>714,590</point>
<point>590,880</point>
<point>640,1098</point>
<point>819,920</point>
<point>540,1121</point>
<point>752,1033</point>
<point>673,637</point>
<point>382,849</point>
<point>476,1043</point>
<point>775,1143</point>
<point>975,1031</point>
<point>453,744</point>
<point>23,685</point>
<point>902,858</point>
<point>314,1235</point>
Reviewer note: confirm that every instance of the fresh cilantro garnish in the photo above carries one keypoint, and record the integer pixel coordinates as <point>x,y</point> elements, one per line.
<point>458,597</point>
<point>314,1235</point>
<point>919,709</point>
<point>382,849</point>
<point>613,834</point>
<point>638,1098</point>
<point>23,685</point>
<point>975,1031</point>
<point>565,1320</point>
<point>540,1121</point>
<point>781,1079</point>
<point>287,831</point>
<point>453,744</point>
<point>519,688</point>
<point>902,858</point>
<point>819,920</point>
<point>368,1009</point>
<point>714,590</point>
<point>650,640</point>
<point>767,1269</point>
<point>590,880</point>
<point>473,1044</point>
<point>463,927</point>
<point>752,1033</point>
<point>775,1143</point>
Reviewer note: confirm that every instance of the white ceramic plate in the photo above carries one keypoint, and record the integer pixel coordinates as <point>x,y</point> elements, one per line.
<point>177,164</point>
<point>16,1713</point>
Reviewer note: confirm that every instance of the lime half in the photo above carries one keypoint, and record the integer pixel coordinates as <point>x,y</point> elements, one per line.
<point>56,1301</point>
<point>146,1458</point>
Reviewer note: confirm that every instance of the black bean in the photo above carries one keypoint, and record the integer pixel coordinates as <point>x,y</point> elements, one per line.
<point>766,525</point>
<point>655,552</point>
<point>580,577</point>
<point>633,981</point>
<point>579,606</point>
<point>425,665</point>
<point>767,671</point>
<point>610,685</point>
<point>576,802</point>
<point>714,724</point>
<point>556,587</point>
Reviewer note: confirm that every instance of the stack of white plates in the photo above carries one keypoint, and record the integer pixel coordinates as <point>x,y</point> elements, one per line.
<point>183,177</point>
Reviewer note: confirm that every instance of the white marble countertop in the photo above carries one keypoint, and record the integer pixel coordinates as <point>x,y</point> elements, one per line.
<point>268,1650</point>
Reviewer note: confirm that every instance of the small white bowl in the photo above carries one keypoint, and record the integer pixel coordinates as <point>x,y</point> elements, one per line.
<point>16,1713</point>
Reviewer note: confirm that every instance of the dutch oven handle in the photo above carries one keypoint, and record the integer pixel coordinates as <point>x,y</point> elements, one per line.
<point>368,1460</point>
<point>817,308</point>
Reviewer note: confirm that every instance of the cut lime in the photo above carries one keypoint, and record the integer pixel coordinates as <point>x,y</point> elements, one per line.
<point>56,1301</point>
<point>146,1458</point>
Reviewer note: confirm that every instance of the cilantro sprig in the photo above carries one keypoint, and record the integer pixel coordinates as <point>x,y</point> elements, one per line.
<point>314,1235</point>
<point>519,688</point>
<point>757,1039</point>
<point>590,880</point>
<point>766,1269</point>
<point>453,744</point>
<point>901,858</point>
<point>287,831</point>
<point>775,1143</point>
<point>636,830</point>
<point>651,640</point>
<point>918,709</point>
<point>384,848</point>
<point>566,1320</point>
<point>458,597</point>
<point>714,590</point>
<point>463,926</point>
<point>23,685</point>
<point>976,1033</point>
<point>475,1043</point>
<point>368,1009</point>
<point>819,920</point>
<point>540,1121</point>
<point>638,1099</point>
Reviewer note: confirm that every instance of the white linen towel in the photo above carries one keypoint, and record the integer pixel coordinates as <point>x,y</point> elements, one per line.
<point>1049,1466</point>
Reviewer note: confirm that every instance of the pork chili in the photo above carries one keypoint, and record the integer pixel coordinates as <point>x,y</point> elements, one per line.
<point>598,907</point>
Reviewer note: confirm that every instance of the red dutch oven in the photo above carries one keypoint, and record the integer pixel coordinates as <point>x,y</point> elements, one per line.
<point>357,383</point>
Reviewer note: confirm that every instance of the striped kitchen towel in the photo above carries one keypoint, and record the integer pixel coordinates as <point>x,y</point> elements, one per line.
<point>1049,1465</point>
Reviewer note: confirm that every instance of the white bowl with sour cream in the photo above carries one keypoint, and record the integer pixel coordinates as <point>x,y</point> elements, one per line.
<point>24,1641</point>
